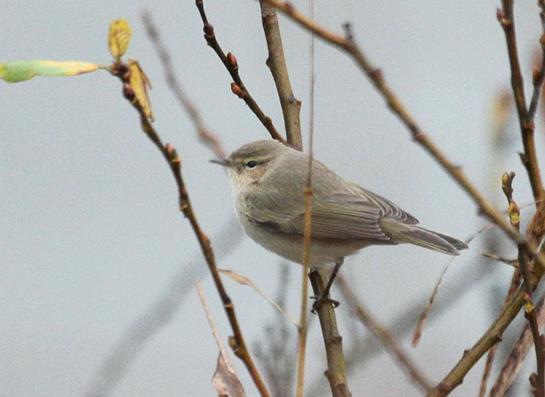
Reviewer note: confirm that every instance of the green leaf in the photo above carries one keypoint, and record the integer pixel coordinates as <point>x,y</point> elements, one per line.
<point>16,71</point>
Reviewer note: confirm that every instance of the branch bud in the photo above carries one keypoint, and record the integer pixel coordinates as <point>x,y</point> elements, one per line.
<point>536,76</point>
<point>533,379</point>
<point>232,59</point>
<point>237,90</point>
<point>128,92</point>
<point>172,154</point>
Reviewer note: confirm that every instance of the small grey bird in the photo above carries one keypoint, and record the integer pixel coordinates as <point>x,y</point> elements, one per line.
<point>268,179</point>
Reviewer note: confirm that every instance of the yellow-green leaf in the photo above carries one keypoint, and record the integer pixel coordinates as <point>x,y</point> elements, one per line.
<point>140,84</point>
<point>16,71</point>
<point>119,38</point>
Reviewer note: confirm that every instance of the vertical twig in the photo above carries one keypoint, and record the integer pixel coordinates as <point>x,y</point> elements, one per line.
<point>276,62</point>
<point>513,211</point>
<point>537,381</point>
<point>336,367</point>
<point>303,319</point>
<point>526,118</point>
<point>515,281</point>
<point>336,372</point>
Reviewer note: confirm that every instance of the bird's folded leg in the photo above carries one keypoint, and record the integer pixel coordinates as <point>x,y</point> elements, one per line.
<point>324,296</point>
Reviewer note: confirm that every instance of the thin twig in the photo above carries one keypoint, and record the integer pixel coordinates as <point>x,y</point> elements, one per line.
<point>423,318</point>
<point>516,358</point>
<point>276,62</point>
<point>539,74</point>
<point>524,268</point>
<point>239,278</point>
<point>526,119</point>
<point>501,259</point>
<point>270,24</point>
<point>386,338</point>
<point>237,86</point>
<point>513,211</point>
<point>171,157</point>
<point>336,367</point>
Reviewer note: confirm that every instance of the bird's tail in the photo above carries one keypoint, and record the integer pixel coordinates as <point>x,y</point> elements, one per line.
<point>412,234</point>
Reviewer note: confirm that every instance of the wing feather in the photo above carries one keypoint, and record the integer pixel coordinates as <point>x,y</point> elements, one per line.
<point>341,210</point>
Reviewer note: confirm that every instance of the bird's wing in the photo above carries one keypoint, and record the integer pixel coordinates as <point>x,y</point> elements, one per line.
<point>389,210</point>
<point>340,211</point>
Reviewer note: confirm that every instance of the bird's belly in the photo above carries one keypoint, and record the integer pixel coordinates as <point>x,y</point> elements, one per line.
<point>322,253</point>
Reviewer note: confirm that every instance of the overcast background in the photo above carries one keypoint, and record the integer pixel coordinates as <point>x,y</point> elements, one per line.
<point>90,233</point>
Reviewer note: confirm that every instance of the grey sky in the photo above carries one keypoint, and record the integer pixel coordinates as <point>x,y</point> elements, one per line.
<point>91,235</point>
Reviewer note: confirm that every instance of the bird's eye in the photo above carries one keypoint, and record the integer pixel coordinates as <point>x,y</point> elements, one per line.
<point>251,164</point>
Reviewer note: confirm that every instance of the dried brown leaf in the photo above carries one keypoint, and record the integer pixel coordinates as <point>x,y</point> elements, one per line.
<point>226,381</point>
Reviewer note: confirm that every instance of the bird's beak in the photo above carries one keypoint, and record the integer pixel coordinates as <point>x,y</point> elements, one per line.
<point>223,162</point>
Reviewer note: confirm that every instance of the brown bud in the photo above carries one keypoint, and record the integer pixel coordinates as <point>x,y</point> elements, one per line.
<point>536,76</point>
<point>542,40</point>
<point>172,153</point>
<point>533,379</point>
<point>377,75</point>
<point>232,59</point>
<point>128,92</point>
<point>505,179</point>
<point>233,343</point>
<point>237,90</point>
<point>208,31</point>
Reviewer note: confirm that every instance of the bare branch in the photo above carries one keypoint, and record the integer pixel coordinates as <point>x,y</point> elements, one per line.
<point>515,282</point>
<point>423,318</point>
<point>230,62</point>
<point>276,62</point>
<point>539,74</point>
<point>514,362</point>
<point>524,268</point>
<point>526,118</point>
<point>171,157</point>
<point>336,367</point>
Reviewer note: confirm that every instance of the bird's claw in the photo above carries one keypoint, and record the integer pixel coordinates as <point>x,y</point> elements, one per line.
<point>320,300</point>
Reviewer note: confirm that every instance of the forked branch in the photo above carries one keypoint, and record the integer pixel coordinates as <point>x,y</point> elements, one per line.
<point>237,86</point>
<point>276,62</point>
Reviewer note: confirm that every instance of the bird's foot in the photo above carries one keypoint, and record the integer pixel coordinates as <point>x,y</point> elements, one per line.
<point>323,299</point>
